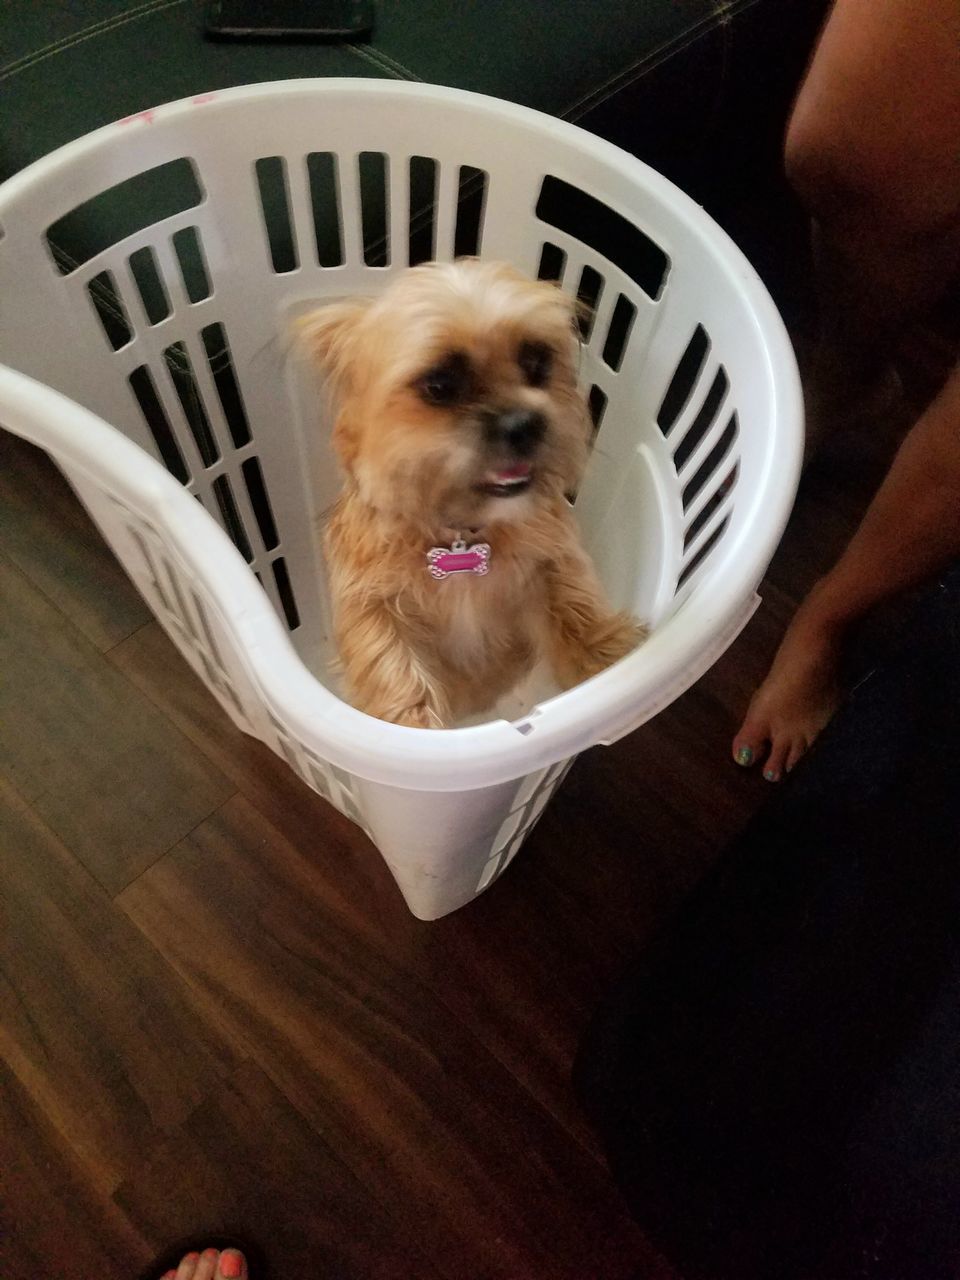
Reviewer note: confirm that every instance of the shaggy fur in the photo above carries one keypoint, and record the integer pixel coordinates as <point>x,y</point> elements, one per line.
<point>424,376</point>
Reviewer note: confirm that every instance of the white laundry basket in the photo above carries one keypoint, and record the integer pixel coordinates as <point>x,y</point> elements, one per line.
<point>228,214</point>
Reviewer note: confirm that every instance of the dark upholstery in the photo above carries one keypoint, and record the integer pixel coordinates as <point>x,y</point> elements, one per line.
<point>699,88</point>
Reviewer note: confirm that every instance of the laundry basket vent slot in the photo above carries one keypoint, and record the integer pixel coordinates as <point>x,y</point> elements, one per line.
<point>607,232</point>
<point>713,504</point>
<point>325,206</point>
<point>374,196</point>
<point>489,871</point>
<point>143,268</point>
<point>185,384</point>
<point>319,782</point>
<point>208,633</point>
<point>712,463</point>
<point>193,267</point>
<point>684,379</point>
<point>123,210</point>
<point>150,565</point>
<point>531,800</point>
<point>291,757</point>
<point>285,590</point>
<point>217,350</point>
<point>597,404</point>
<point>142,385</point>
<point>346,785</point>
<point>208,668</point>
<point>110,311</point>
<point>422,242</point>
<point>260,502</point>
<point>706,416</point>
<point>172,594</point>
<point>213,664</point>
<point>330,783</point>
<point>179,611</point>
<point>553,262</point>
<point>702,554</point>
<point>271,174</point>
<point>615,346</point>
<point>471,203</point>
<point>588,295</point>
<point>231,517</point>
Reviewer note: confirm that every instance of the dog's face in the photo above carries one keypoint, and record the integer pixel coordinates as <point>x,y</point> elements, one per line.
<point>458,403</point>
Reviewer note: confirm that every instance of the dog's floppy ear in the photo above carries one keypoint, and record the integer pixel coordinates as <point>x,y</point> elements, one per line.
<point>328,335</point>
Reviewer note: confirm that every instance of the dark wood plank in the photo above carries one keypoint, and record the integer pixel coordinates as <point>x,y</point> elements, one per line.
<point>425,1117</point>
<point>47,534</point>
<point>245,1162</point>
<point>151,662</point>
<point>94,1026</point>
<point>515,939</point>
<point>53,1222</point>
<point>109,774</point>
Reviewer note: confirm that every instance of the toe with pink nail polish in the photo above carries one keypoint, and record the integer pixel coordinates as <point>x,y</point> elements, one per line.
<point>231,1265</point>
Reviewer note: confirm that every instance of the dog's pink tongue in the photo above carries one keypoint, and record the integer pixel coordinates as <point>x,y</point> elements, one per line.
<point>519,471</point>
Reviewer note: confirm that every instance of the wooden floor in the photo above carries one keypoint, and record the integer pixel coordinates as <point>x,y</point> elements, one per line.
<point>215,1011</point>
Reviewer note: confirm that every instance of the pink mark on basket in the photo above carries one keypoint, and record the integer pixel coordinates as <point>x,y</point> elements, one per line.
<point>201,98</point>
<point>442,561</point>
<point>145,116</point>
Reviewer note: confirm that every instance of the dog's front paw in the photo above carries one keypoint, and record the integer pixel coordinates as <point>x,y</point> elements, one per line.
<point>612,639</point>
<point>419,716</point>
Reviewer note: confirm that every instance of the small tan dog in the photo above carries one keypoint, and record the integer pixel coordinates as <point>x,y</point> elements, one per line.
<point>453,555</point>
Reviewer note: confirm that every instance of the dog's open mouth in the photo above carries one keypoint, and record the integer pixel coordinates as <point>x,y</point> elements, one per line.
<point>508,482</point>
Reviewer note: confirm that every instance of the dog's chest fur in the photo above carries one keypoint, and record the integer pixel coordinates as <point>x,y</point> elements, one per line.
<point>482,620</point>
<point>480,633</point>
<point>486,630</point>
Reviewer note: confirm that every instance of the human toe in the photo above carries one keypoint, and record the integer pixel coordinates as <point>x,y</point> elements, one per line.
<point>187,1269</point>
<point>232,1266</point>
<point>207,1265</point>
<point>211,1264</point>
<point>776,763</point>
<point>798,749</point>
<point>750,741</point>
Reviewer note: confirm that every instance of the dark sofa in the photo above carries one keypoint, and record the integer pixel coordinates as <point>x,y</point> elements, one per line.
<point>698,88</point>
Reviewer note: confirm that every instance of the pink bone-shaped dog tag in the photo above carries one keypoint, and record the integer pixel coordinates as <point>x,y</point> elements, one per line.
<point>459,558</point>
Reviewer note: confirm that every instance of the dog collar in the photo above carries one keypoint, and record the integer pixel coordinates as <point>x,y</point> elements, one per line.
<point>458,558</point>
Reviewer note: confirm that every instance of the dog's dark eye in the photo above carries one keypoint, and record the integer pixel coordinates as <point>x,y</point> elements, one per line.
<point>536,361</point>
<point>446,383</point>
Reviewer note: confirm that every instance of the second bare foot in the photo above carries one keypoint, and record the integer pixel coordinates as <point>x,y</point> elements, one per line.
<point>795,702</point>
<point>210,1265</point>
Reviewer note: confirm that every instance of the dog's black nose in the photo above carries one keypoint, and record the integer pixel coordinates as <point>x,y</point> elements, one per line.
<point>520,430</point>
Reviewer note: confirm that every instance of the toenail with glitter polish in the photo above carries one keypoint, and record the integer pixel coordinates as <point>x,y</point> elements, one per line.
<point>770,775</point>
<point>230,1266</point>
<point>745,756</point>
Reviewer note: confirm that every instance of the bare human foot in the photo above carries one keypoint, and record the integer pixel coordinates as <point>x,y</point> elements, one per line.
<point>795,701</point>
<point>210,1265</point>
